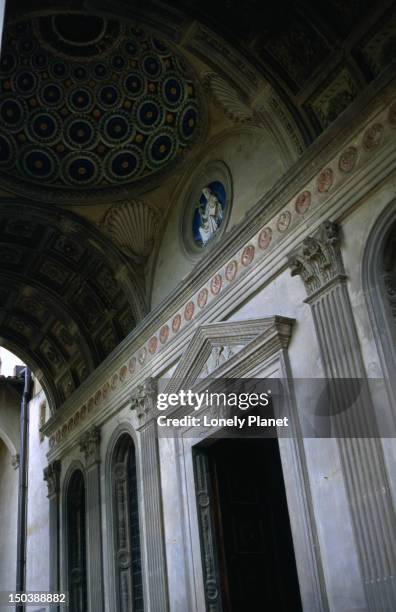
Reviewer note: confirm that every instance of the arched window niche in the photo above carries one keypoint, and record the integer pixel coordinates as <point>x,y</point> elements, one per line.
<point>379,287</point>
<point>125,531</point>
<point>76,542</point>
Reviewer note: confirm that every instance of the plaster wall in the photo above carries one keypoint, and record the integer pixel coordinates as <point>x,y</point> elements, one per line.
<point>255,163</point>
<point>37,575</point>
<point>10,408</point>
<point>8,520</point>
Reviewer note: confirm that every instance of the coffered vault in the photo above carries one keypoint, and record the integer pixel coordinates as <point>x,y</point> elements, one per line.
<point>67,295</point>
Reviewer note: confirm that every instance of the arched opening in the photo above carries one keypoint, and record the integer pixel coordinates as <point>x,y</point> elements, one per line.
<point>127,550</point>
<point>63,305</point>
<point>389,278</point>
<point>379,287</point>
<point>76,543</point>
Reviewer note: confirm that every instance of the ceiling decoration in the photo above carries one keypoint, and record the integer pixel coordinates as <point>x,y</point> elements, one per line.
<point>316,57</point>
<point>67,297</point>
<point>90,105</point>
<point>227,98</point>
<point>133,226</point>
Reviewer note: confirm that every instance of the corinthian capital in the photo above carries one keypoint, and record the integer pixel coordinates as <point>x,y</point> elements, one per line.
<point>90,446</point>
<point>144,400</point>
<point>318,260</point>
<point>52,477</point>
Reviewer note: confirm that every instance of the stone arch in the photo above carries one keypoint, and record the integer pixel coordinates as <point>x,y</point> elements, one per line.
<point>67,294</point>
<point>379,287</point>
<point>124,520</point>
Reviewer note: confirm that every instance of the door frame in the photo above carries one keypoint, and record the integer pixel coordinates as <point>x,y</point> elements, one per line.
<point>263,356</point>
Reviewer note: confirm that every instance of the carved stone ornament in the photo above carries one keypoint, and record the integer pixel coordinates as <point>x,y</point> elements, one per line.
<point>15,461</point>
<point>144,400</point>
<point>227,98</point>
<point>219,355</point>
<point>133,226</point>
<point>52,477</point>
<point>90,446</point>
<point>318,260</point>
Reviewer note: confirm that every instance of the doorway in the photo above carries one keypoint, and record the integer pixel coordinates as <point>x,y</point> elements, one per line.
<point>253,562</point>
<point>76,543</point>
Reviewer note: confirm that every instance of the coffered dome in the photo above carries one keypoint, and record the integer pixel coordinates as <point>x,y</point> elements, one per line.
<point>90,105</point>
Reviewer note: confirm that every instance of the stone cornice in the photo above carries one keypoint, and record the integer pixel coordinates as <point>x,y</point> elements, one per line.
<point>272,227</point>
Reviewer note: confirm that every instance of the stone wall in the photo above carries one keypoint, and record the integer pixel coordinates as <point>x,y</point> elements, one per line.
<point>8,519</point>
<point>244,283</point>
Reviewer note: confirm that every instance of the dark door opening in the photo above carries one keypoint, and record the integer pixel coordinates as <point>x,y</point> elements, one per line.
<point>76,544</point>
<point>255,561</point>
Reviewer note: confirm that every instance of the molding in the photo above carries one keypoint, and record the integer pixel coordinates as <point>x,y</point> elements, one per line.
<point>374,290</point>
<point>255,247</point>
<point>125,427</point>
<point>264,354</point>
<point>275,330</point>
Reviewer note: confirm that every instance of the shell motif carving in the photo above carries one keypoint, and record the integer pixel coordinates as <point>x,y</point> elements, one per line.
<point>133,227</point>
<point>226,97</point>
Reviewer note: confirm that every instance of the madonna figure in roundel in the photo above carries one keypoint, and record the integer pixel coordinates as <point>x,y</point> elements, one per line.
<point>211,215</point>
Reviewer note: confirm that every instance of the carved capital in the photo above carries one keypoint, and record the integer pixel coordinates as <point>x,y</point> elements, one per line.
<point>144,400</point>
<point>318,260</point>
<point>90,446</point>
<point>52,477</point>
<point>15,461</point>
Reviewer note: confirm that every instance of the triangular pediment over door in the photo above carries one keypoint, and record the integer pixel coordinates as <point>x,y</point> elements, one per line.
<point>230,349</point>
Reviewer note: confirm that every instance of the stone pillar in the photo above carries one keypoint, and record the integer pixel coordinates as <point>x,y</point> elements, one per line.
<point>90,447</point>
<point>52,478</point>
<point>319,263</point>
<point>144,402</point>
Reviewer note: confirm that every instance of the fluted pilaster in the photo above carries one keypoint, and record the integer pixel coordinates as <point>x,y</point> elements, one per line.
<point>319,263</point>
<point>144,402</point>
<point>51,475</point>
<point>90,447</point>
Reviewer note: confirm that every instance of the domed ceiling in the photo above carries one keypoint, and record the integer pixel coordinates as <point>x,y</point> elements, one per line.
<point>89,106</point>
